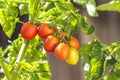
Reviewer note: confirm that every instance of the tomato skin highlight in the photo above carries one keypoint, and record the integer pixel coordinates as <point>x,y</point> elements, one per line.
<point>73,57</point>
<point>43,30</point>
<point>28,31</point>
<point>74,43</point>
<point>50,43</point>
<point>62,51</point>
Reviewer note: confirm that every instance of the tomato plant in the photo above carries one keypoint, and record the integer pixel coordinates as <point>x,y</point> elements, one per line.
<point>24,58</point>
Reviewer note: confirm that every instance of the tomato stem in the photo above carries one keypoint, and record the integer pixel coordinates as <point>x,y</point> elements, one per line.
<point>20,57</point>
<point>6,72</point>
<point>94,36</point>
<point>22,51</point>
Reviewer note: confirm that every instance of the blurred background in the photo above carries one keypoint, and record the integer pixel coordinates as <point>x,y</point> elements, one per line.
<point>107,30</point>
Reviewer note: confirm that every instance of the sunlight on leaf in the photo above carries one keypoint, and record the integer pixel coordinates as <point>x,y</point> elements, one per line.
<point>111,6</point>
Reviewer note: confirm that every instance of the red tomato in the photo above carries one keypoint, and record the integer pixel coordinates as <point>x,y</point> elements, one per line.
<point>62,51</point>
<point>44,30</point>
<point>74,43</point>
<point>28,31</point>
<point>50,43</point>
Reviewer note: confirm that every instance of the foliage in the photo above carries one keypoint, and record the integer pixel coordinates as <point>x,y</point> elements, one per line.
<point>26,60</point>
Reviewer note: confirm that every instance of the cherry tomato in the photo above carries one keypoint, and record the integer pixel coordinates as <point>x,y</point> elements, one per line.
<point>74,43</point>
<point>62,51</point>
<point>44,30</point>
<point>28,31</point>
<point>50,43</point>
<point>73,57</point>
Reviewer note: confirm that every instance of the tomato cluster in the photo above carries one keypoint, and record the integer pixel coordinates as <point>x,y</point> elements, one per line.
<point>63,51</point>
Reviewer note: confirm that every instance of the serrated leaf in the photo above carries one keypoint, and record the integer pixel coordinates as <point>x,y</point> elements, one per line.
<point>111,6</point>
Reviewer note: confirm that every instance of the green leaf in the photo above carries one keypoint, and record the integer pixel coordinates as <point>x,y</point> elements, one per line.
<point>111,76</point>
<point>9,67</point>
<point>65,6</point>
<point>111,6</point>
<point>85,49</point>
<point>50,12</point>
<point>34,9</point>
<point>89,29</point>
<point>8,20</point>
<point>96,68</point>
<point>23,9</point>
<point>117,69</point>
<point>112,61</point>
<point>91,9</point>
<point>118,54</point>
<point>90,6</point>
<point>81,2</point>
<point>2,5</point>
<point>25,65</point>
<point>49,5</point>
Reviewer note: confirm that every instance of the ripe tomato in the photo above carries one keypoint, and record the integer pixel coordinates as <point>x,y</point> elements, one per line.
<point>62,51</point>
<point>50,43</point>
<point>28,31</point>
<point>74,43</point>
<point>44,30</point>
<point>73,57</point>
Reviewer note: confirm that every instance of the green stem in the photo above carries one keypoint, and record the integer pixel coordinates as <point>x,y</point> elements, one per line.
<point>94,36</point>
<point>20,57</point>
<point>22,51</point>
<point>6,72</point>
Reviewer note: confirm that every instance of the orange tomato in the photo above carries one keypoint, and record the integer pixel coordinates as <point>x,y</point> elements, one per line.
<point>74,43</point>
<point>62,51</point>
<point>50,43</point>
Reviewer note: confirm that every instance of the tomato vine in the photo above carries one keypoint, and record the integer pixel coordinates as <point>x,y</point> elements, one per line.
<point>27,59</point>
